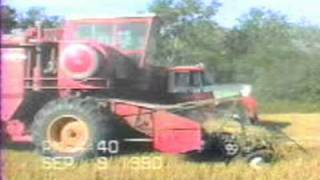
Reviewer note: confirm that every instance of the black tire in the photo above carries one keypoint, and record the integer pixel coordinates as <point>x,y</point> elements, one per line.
<point>229,145</point>
<point>95,119</point>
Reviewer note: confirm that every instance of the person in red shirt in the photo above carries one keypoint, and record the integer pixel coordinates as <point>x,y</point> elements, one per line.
<point>250,105</point>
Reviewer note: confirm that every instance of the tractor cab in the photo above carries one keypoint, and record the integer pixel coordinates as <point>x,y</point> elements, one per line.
<point>130,35</point>
<point>104,53</point>
<point>189,82</point>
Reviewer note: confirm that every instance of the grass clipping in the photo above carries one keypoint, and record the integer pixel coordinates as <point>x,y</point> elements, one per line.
<point>253,136</point>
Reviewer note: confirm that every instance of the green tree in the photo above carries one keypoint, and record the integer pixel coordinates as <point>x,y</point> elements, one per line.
<point>279,58</point>
<point>188,33</point>
<point>34,14</point>
<point>8,19</point>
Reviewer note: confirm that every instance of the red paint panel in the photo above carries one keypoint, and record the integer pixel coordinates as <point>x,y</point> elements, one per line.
<point>187,69</point>
<point>79,60</point>
<point>171,133</point>
<point>175,134</point>
<point>15,128</point>
<point>138,118</point>
<point>16,131</point>
<point>12,75</point>
<point>177,140</point>
<point>122,109</point>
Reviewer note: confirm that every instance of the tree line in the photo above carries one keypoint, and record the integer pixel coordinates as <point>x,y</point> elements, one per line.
<point>279,58</point>
<point>11,19</point>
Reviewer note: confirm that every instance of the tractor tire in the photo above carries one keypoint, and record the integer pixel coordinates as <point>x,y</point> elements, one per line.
<point>229,146</point>
<point>71,127</point>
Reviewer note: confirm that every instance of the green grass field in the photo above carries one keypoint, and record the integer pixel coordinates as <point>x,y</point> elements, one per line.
<point>294,164</point>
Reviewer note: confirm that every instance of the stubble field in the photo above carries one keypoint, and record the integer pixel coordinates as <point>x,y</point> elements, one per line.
<point>293,164</point>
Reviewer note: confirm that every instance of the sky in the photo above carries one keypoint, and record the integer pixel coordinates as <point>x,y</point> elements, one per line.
<point>229,12</point>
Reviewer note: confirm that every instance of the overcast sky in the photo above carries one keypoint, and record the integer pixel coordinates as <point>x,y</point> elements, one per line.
<point>296,10</point>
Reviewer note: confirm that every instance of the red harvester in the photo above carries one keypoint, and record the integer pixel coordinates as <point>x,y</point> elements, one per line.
<point>68,90</point>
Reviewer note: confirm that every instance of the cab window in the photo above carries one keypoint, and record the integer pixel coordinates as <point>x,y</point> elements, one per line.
<point>97,32</point>
<point>195,79</point>
<point>206,79</point>
<point>132,36</point>
<point>182,79</point>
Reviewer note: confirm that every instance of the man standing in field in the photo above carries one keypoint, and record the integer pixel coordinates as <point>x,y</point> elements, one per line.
<point>250,104</point>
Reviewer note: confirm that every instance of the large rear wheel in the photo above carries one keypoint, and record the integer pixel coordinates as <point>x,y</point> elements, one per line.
<point>71,127</point>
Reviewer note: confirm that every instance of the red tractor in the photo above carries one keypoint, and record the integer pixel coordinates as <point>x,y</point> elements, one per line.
<point>70,91</point>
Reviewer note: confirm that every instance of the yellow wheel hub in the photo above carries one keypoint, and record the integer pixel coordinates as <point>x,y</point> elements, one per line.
<point>68,134</point>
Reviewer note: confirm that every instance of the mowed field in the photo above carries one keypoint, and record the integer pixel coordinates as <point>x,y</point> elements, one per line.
<point>293,164</point>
